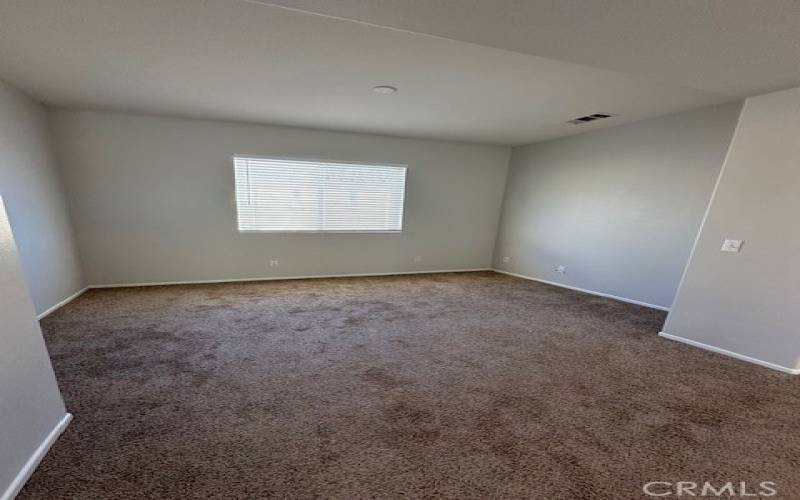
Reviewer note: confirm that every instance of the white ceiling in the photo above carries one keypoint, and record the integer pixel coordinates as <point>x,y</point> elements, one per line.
<point>737,47</point>
<point>248,61</point>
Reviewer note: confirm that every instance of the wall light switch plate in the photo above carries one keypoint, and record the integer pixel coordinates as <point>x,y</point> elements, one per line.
<point>732,245</point>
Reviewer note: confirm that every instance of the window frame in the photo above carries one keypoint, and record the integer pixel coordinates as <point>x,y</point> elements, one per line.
<point>234,157</point>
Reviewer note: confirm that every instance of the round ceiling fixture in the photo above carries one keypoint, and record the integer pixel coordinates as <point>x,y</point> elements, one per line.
<point>384,89</point>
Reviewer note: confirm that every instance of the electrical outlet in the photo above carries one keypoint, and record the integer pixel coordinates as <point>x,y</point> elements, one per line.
<point>731,246</point>
<point>418,259</point>
<point>561,269</point>
<point>506,259</point>
<point>274,263</point>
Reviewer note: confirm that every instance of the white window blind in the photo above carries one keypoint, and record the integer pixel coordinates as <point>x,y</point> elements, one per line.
<point>283,195</point>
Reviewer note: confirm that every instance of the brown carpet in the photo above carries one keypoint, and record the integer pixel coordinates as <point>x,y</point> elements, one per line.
<point>474,385</point>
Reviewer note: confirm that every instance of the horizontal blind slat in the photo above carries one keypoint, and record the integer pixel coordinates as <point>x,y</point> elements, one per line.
<point>276,194</point>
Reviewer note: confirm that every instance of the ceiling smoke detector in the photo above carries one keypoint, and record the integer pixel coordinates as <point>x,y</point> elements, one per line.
<point>590,118</point>
<point>384,89</point>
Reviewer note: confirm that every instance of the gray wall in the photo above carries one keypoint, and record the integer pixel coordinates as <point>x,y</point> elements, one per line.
<point>30,403</point>
<point>37,207</point>
<point>620,207</point>
<point>747,302</point>
<point>153,200</point>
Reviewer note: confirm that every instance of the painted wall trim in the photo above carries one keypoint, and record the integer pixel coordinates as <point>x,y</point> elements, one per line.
<point>591,292</point>
<point>719,350</point>
<point>61,304</point>
<point>278,278</point>
<point>27,470</point>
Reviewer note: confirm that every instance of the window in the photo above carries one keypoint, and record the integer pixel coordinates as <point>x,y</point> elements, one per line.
<point>283,195</point>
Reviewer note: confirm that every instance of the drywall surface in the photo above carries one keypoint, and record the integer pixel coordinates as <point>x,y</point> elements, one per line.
<point>153,200</point>
<point>747,302</point>
<point>37,207</point>
<point>30,403</point>
<point>619,208</point>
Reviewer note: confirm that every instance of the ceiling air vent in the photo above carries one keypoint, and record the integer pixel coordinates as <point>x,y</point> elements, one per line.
<point>590,118</point>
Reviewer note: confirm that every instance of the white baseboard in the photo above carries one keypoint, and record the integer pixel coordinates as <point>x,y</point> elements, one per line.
<point>591,292</point>
<point>279,278</point>
<point>767,364</point>
<point>74,296</point>
<point>61,304</point>
<point>27,470</point>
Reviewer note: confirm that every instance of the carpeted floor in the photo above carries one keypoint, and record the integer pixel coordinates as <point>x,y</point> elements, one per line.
<point>474,385</point>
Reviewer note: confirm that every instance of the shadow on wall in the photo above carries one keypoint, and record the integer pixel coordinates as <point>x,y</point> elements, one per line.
<point>32,413</point>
